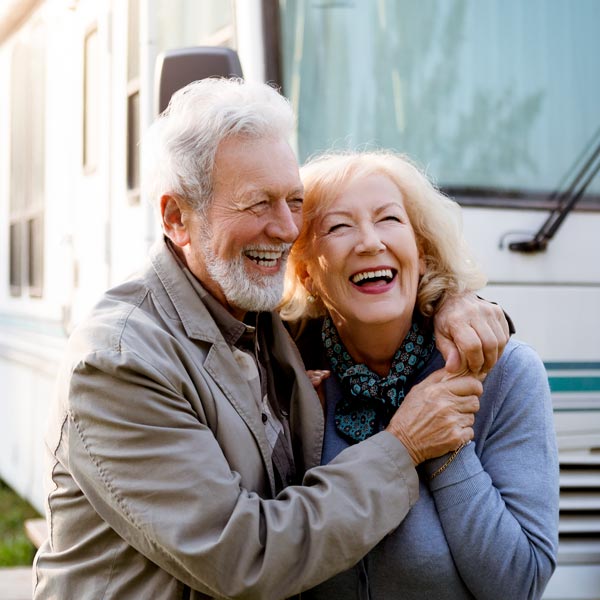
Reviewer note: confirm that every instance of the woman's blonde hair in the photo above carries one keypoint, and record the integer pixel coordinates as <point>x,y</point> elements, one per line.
<point>435,218</point>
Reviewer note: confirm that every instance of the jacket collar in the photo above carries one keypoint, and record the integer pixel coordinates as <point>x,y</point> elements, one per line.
<point>306,418</point>
<point>185,292</point>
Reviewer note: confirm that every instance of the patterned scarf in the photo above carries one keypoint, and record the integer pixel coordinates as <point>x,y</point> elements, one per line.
<point>369,398</point>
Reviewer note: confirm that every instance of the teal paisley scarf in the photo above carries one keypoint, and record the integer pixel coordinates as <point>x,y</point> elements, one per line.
<point>368,398</point>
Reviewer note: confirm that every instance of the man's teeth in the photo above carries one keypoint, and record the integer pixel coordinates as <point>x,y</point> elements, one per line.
<point>265,258</point>
<point>379,274</point>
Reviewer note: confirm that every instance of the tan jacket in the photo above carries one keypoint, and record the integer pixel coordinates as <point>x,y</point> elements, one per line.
<point>159,484</point>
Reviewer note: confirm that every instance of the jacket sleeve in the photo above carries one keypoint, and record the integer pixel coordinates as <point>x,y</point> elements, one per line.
<point>157,475</point>
<point>498,501</point>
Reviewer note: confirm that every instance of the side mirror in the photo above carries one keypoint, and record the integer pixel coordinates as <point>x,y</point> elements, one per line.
<point>176,68</point>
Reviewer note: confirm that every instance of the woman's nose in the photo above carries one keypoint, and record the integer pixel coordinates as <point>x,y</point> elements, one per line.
<point>370,241</point>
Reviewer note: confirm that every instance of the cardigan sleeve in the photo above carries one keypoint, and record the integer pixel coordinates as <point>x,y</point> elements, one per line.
<point>498,500</point>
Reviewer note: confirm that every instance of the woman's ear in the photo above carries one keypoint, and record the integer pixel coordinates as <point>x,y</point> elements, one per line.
<point>304,277</point>
<point>308,285</point>
<point>173,220</point>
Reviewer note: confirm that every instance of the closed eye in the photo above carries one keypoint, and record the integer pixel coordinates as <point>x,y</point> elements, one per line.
<point>337,227</point>
<point>295,204</point>
<point>258,206</point>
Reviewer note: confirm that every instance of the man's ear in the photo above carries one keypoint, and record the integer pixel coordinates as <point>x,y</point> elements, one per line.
<point>173,222</point>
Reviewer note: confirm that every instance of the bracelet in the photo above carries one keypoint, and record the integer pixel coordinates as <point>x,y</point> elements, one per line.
<point>450,459</point>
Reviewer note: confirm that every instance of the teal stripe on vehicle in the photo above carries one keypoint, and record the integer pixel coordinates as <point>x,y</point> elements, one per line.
<point>574,384</point>
<point>572,366</point>
<point>576,376</point>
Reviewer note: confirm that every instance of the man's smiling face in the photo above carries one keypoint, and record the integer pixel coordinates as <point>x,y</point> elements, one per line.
<point>239,251</point>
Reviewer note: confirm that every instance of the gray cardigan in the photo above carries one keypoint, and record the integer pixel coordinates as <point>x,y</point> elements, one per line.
<point>159,477</point>
<point>487,526</point>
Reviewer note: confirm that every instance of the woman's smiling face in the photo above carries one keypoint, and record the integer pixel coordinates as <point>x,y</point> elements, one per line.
<point>366,263</point>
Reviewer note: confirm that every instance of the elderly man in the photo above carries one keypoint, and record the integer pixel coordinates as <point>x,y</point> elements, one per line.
<point>184,442</point>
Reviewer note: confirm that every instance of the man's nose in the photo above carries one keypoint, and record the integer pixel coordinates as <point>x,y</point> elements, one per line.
<point>284,224</point>
<point>369,241</point>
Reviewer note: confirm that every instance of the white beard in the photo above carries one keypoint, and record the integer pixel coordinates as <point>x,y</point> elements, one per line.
<point>249,292</point>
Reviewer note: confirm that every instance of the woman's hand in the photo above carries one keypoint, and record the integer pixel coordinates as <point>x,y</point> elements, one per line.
<point>471,333</point>
<point>437,415</point>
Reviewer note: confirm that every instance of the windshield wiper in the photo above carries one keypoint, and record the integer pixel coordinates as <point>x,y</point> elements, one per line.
<point>567,199</point>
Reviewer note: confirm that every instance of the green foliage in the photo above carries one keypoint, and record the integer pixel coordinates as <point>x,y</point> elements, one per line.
<point>15,547</point>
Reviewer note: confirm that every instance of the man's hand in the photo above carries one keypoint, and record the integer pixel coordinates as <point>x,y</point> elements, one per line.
<point>316,378</point>
<point>437,415</point>
<point>470,333</point>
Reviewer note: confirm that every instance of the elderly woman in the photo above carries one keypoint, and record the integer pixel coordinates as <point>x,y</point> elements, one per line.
<point>379,251</point>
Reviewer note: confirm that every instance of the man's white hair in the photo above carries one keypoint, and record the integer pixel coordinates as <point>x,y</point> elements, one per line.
<point>178,150</point>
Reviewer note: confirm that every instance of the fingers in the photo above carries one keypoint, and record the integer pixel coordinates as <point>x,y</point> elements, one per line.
<point>464,432</point>
<point>471,333</point>
<point>472,346</point>
<point>317,376</point>
<point>461,372</point>
<point>467,435</point>
<point>464,383</point>
<point>436,377</point>
<point>500,333</point>
<point>450,353</point>
<point>467,405</point>
<point>492,329</point>
<point>466,390</point>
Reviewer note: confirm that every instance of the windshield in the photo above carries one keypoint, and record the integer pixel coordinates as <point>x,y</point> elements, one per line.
<point>496,98</point>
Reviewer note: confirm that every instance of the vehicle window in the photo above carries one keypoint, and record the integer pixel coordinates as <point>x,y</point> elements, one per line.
<point>193,23</point>
<point>494,99</point>
<point>27,164</point>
